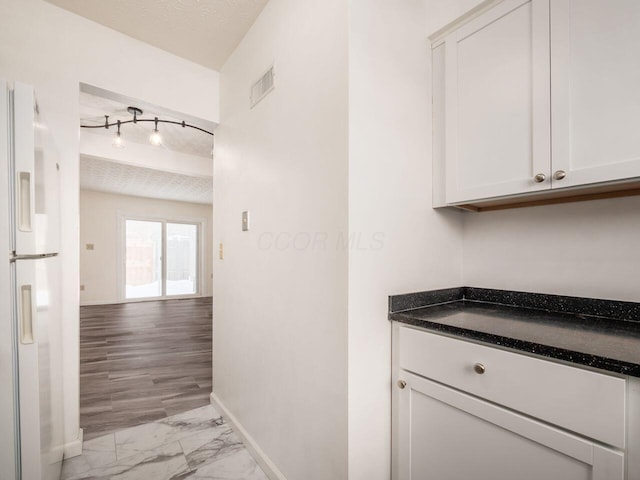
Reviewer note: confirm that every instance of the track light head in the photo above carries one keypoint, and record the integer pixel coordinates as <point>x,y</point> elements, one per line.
<point>117,140</point>
<point>155,138</point>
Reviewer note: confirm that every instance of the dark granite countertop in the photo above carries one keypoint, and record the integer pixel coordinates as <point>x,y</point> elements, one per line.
<point>603,334</point>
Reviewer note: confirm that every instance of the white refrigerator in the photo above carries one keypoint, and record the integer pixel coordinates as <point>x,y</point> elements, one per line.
<point>31,394</point>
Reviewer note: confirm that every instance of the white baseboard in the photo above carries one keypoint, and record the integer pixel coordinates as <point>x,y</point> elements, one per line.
<point>74,447</point>
<point>261,458</point>
<point>102,302</point>
<point>135,300</point>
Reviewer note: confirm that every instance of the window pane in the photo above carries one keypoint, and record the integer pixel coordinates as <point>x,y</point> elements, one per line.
<point>144,259</point>
<point>182,259</point>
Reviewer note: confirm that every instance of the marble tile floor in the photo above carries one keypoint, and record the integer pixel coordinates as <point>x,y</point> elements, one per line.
<point>194,445</point>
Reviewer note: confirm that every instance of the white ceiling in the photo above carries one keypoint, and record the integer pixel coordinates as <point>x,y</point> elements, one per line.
<point>203,31</point>
<point>93,108</point>
<point>112,177</point>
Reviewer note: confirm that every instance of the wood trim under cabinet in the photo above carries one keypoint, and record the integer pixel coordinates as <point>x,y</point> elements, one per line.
<point>598,192</point>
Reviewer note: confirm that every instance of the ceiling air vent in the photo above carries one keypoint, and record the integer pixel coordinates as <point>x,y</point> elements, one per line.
<point>262,87</point>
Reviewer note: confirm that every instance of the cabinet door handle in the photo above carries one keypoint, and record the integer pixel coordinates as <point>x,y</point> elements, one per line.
<point>559,175</point>
<point>539,178</point>
<point>479,368</point>
<point>26,315</point>
<point>24,202</point>
<point>402,384</point>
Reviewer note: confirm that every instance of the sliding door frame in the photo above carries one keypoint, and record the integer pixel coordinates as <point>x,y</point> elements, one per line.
<point>121,253</point>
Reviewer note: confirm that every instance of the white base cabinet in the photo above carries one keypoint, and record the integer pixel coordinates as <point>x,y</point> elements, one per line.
<point>449,435</point>
<point>445,431</point>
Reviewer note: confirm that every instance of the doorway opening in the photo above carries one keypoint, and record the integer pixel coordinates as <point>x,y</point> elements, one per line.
<point>146,258</point>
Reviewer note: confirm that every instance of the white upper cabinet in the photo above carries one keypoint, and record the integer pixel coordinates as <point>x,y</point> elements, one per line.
<point>497,102</point>
<point>595,79</point>
<point>536,95</point>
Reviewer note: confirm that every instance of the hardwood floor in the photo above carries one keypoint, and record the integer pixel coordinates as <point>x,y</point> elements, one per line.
<point>140,362</point>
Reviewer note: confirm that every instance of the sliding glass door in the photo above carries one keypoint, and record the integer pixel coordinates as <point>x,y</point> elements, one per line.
<point>143,259</point>
<point>182,259</point>
<point>161,259</point>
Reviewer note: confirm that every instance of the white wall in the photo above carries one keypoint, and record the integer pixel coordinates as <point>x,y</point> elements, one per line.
<point>587,249</point>
<point>389,193</point>
<point>280,302</point>
<point>100,215</point>
<point>55,50</point>
<point>283,161</point>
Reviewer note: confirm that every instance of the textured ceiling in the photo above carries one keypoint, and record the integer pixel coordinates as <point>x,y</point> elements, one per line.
<point>175,138</point>
<point>203,31</point>
<point>112,177</point>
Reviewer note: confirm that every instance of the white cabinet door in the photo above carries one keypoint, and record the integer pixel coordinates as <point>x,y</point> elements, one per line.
<point>444,434</point>
<point>595,68</point>
<point>498,102</point>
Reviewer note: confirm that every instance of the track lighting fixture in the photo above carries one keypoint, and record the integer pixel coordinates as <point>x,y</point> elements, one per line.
<point>155,138</point>
<point>117,140</point>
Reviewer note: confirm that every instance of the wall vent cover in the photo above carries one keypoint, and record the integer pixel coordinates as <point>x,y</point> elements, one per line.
<point>262,87</point>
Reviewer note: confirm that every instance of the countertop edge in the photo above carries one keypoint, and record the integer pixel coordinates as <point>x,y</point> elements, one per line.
<point>541,350</point>
<point>577,306</point>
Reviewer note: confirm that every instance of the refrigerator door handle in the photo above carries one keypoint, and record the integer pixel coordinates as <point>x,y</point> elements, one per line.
<point>24,202</point>
<point>26,315</point>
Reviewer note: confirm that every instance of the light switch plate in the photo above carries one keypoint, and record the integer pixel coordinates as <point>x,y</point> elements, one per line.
<point>245,221</point>
<point>90,246</point>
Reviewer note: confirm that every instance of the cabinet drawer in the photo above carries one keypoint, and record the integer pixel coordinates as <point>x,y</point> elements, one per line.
<point>581,401</point>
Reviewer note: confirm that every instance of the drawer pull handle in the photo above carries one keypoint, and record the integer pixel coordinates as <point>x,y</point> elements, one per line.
<point>479,368</point>
<point>559,175</point>
<point>402,384</point>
